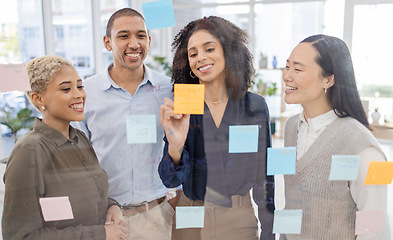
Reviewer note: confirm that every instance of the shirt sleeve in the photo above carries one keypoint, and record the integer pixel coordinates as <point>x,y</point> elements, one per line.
<point>172,176</point>
<point>370,197</point>
<point>22,217</point>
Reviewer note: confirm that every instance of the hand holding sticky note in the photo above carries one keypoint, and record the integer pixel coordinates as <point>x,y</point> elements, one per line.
<point>56,208</point>
<point>189,98</point>
<point>379,173</point>
<point>190,217</point>
<point>281,160</point>
<point>344,167</point>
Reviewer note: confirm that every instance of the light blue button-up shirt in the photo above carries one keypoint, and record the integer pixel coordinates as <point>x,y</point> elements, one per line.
<point>132,168</point>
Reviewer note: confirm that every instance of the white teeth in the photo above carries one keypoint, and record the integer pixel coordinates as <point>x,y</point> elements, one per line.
<point>133,54</point>
<point>205,68</point>
<point>77,106</point>
<point>290,88</point>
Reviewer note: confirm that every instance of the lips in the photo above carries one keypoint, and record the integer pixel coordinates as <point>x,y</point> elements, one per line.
<point>133,55</point>
<point>205,68</point>
<point>77,106</point>
<point>289,89</point>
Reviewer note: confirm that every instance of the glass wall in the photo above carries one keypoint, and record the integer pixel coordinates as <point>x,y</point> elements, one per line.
<point>72,30</point>
<point>372,48</point>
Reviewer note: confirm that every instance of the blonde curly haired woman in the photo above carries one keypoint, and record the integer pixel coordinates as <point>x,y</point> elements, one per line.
<point>55,160</point>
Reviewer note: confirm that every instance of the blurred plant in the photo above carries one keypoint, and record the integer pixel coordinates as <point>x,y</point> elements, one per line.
<point>265,88</point>
<point>163,65</point>
<point>24,120</point>
<point>262,60</point>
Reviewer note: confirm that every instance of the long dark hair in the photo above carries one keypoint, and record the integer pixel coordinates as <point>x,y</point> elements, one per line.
<point>334,58</point>
<point>239,69</point>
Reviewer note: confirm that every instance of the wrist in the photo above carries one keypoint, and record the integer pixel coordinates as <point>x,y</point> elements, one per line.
<point>115,204</point>
<point>175,153</point>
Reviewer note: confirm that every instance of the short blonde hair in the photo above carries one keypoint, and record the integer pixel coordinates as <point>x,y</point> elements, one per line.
<point>41,71</point>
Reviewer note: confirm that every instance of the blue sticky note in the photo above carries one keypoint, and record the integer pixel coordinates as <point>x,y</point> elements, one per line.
<point>344,167</point>
<point>190,217</point>
<point>243,138</point>
<point>288,221</point>
<point>281,160</point>
<point>159,14</point>
<point>141,129</point>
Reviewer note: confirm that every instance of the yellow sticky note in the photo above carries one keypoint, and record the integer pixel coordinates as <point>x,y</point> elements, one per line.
<point>379,173</point>
<point>189,98</point>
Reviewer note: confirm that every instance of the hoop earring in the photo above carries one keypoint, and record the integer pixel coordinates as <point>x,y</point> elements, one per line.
<point>191,74</point>
<point>325,91</point>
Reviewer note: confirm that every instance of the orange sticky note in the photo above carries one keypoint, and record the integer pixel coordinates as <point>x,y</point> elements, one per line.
<point>379,173</point>
<point>13,77</point>
<point>189,98</point>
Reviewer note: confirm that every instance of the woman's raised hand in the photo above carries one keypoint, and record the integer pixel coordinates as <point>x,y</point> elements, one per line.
<point>176,127</point>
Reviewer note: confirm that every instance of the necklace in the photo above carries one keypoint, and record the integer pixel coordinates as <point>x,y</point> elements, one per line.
<point>216,102</point>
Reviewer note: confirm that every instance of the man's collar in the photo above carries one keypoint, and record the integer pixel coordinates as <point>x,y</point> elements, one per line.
<point>108,81</point>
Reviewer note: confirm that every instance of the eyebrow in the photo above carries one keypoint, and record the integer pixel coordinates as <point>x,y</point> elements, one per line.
<point>206,43</point>
<point>297,63</point>
<point>126,31</point>
<point>69,82</point>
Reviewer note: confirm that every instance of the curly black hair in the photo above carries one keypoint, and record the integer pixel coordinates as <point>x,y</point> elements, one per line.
<point>239,69</point>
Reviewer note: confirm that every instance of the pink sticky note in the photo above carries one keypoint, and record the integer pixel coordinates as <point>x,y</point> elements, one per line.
<point>13,77</point>
<point>369,222</point>
<point>56,208</point>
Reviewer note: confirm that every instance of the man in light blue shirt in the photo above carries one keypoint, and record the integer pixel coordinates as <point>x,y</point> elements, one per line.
<point>122,121</point>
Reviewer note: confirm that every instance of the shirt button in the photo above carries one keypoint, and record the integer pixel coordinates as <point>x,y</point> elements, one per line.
<point>84,160</point>
<point>95,177</point>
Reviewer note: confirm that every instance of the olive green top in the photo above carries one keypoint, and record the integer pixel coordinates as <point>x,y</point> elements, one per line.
<point>44,164</point>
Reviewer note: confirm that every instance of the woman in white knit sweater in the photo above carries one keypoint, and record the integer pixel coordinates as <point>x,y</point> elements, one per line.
<point>319,75</point>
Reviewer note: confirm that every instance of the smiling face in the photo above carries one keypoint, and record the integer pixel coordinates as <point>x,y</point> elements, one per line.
<point>129,42</point>
<point>206,57</point>
<point>303,78</point>
<point>64,98</point>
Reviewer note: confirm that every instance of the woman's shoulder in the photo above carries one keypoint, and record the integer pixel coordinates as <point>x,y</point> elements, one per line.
<point>254,101</point>
<point>30,141</point>
<point>354,126</point>
<point>25,149</point>
<point>254,97</point>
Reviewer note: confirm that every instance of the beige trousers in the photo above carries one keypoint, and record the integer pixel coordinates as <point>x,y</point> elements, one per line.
<point>154,224</point>
<point>221,223</point>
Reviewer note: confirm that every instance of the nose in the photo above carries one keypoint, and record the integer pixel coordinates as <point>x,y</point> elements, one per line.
<point>201,56</point>
<point>79,93</point>
<point>286,75</point>
<point>133,43</point>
